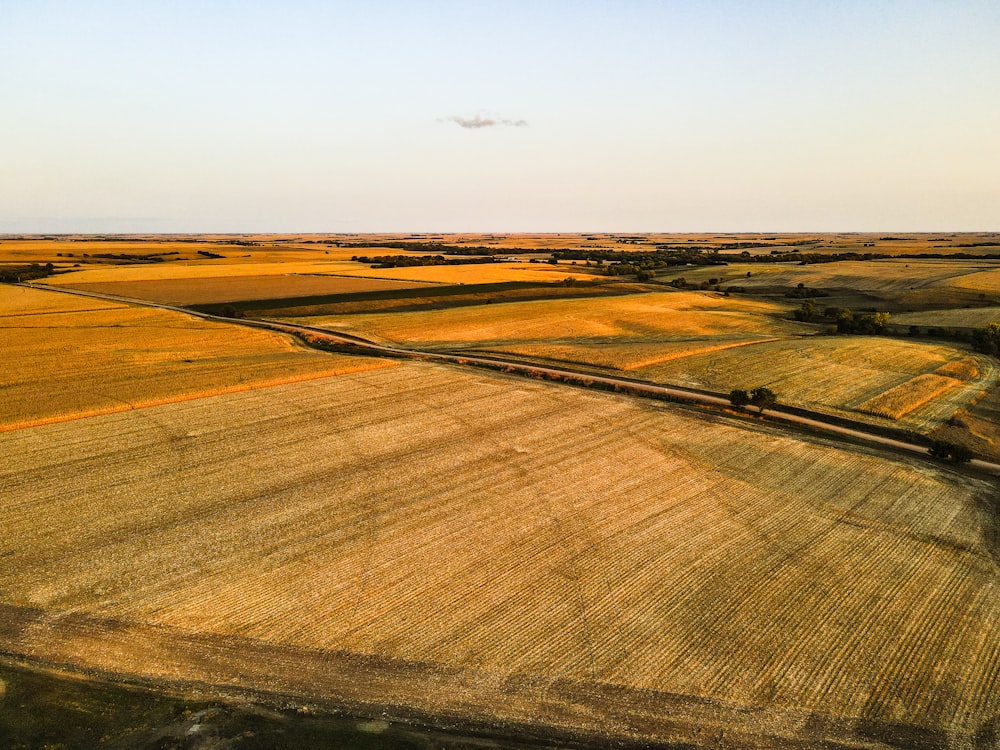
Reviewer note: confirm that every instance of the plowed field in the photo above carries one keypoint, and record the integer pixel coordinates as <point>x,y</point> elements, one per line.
<point>477,547</point>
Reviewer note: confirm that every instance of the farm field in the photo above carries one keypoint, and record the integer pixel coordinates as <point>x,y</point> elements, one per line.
<point>479,273</point>
<point>972,317</point>
<point>703,341</point>
<point>897,279</point>
<point>452,538</point>
<point>841,375</point>
<point>194,291</point>
<point>67,357</point>
<point>643,318</point>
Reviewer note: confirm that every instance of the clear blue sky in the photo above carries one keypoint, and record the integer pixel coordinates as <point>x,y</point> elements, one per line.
<point>617,116</point>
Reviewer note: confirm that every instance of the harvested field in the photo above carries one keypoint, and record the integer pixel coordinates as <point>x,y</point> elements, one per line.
<point>208,269</point>
<point>966,368</point>
<point>914,393</point>
<point>69,357</point>
<point>834,374</point>
<point>18,301</point>
<point>974,317</point>
<point>238,288</point>
<point>493,549</point>
<point>867,276</point>
<point>618,357</point>
<point>634,319</point>
<point>485,273</point>
<point>694,339</point>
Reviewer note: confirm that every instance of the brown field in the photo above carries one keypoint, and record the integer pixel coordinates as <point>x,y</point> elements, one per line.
<point>904,398</point>
<point>196,291</point>
<point>69,357</point>
<point>492,549</point>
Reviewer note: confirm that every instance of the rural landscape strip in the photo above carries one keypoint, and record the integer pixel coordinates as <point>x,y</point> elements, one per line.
<point>323,338</point>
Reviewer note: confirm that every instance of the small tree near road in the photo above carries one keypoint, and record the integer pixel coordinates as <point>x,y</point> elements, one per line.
<point>739,398</point>
<point>948,451</point>
<point>763,398</point>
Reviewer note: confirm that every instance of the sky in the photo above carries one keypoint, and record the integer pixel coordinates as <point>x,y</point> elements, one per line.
<point>543,115</point>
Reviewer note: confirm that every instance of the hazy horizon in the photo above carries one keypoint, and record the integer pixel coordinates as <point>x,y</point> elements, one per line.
<point>446,117</point>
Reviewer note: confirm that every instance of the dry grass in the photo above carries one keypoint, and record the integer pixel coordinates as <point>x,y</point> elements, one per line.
<point>492,534</point>
<point>196,291</point>
<point>69,357</point>
<point>914,393</point>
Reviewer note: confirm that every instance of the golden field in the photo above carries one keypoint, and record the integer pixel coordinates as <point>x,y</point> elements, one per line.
<point>643,318</point>
<point>67,357</point>
<point>477,273</point>
<point>700,340</point>
<point>974,317</point>
<point>836,374</point>
<point>508,551</point>
<point>195,291</point>
<point>893,275</point>
<point>904,398</point>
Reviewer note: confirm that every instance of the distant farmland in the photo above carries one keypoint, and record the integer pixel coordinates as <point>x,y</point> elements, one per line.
<point>176,291</point>
<point>488,549</point>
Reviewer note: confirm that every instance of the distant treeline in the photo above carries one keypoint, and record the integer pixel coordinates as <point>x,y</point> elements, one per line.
<point>403,261</point>
<point>26,273</point>
<point>670,256</point>
<point>437,247</point>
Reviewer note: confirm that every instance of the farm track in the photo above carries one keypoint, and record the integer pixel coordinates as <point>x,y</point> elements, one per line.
<point>804,420</point>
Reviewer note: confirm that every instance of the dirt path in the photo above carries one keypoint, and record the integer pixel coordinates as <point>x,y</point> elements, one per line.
<point>815,422</point>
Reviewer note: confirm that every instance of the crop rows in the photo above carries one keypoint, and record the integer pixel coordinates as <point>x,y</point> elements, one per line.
<point>74,357</point>
<point>521,529</point>
<point>832,374</point>
<point>906,397</point>
<point>975,317</point>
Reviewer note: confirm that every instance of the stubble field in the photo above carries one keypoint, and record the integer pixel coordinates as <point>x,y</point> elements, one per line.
<point>508,551</point>
<point>704,341</point>
<point>68,357</point>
